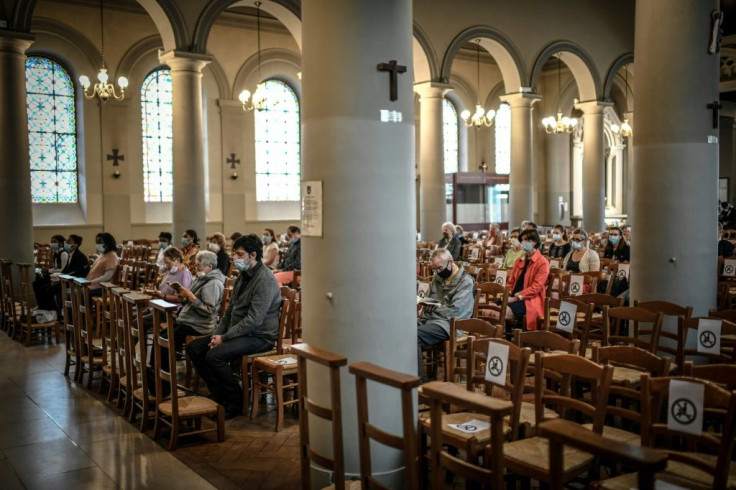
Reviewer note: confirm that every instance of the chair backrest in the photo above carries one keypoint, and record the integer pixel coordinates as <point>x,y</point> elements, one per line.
<point>405,383</point>
<point>118,343</point>
<point>491,473</point>
<point>513,385</point>
<point>67,312</point>
<point>486,296</point>
<point>724,375</point>
<point>163,308</point>
<point>589,279</point>
<point>729,315</point>
<point>687,326</point>
<point>84,324</point>
<point>137,359</point>
<point>580,325</point>
<point>717,437</point>
<point>555,378</point>
<point>472,327</point>
<point>557,283</point>
<point>668,339</point>
<point>333,413</point>
<point>26,296</point>
<point>285,321</point>
<point>600,300</point>
<point>630,324</point>
<point>227,293</point>
<point>543,341</point>
<point>9,297</point>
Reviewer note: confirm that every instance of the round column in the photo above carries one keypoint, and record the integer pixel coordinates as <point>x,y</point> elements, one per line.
<point>16,212</point>
<point>359,277</point>
<point>521,177</point>
<point>594,166</point>
<point>675,167</point>
<point>432,203</point>
<point>557,173</point>
<point>189,206</point>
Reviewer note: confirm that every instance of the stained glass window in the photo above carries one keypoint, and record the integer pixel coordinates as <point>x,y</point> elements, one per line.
<point>157,119</point>
<point>450,134</point>
<point>503,139</point>
<point>52,132</point>
<point>278,145</point>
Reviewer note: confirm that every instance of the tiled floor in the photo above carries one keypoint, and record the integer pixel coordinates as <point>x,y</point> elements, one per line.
<point>56,434</point>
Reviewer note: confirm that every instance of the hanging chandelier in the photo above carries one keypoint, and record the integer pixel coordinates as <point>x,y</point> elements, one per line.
<point>480,117</point>
<point>560,124</point>
<point>102,89</point>
<point>258,99</point>
<point>624,129</point>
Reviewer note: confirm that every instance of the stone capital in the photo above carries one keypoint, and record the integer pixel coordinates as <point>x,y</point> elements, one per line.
<point>593,106</point>
<point>185,61</point>
<point>230,107</point>
<point>432,89</point>
<point>520,99</point>
<point>15,42</point>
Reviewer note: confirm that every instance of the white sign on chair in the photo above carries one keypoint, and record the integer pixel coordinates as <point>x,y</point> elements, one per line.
<point>576,285</point>
<point>501,277</point>
<point>729,268</point>
<point>566,316</point>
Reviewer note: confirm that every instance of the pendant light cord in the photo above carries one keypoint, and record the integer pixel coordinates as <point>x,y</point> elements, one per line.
<point>478,67</point>
<point>102,33</point>
<point>258,28</point>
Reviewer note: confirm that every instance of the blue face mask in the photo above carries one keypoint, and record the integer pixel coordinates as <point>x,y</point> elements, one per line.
<point>527,246</point>
<point>184,241</point>
<point>241,265</point>
<point>55,247</point>
<point>614,239</point>
<point>293,240</point>
<point>556,237</point>
<point>163,244</point>
<point>576,245</point>
<point>100,248</point>
<point>67,247</point>
<point>266,239</point>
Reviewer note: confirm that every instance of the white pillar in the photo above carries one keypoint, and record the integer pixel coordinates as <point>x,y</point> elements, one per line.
<point>432,205</point>
<point>673,254</point>
<point>189,206</point>
<point>557,173</point>
<point>359,277</point>
<point>521,177</point>
<point>594,166</point>
<point>16,214</point>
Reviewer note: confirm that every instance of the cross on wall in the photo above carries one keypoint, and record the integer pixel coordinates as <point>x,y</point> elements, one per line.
<point>232,161</point>
<point>116,157</point>
<point>394,69</point>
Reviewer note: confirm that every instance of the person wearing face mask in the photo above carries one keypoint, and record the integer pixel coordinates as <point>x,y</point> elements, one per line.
<point>217,246</point>
<point>174,272</point>
<point>494,240</point>
<point>270,249</point>
<point>285,271</point>
<point>528,281</point>
<point>77,265</point>
<point>164,242</point>
<point>617,248</point>
<point>104,268</point>
<point>250,325</point>
<point>560,246</point>
<point>45,285</point>
<point>514,252</point>
<point>450,242</point>
<point>581,258</point>
<point>454,289</point>
<point>189,246</point>
<point>201,307</point>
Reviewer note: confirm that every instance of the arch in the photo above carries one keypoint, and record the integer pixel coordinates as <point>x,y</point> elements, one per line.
<point>288,12</point>
<point>139,50</point>
<point>426,66</point>
<point>578,61</point>
<point>68,35</point>
<point>169,22</point>
<point>218,74</point>
<point>624,60</point>
<point>275,63</point>
<point>22,15</point>
<point>499,46</point>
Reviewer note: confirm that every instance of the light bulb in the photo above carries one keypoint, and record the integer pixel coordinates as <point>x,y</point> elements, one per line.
<point>123,82</point>
<point>465,115</point>
<point>102,76</point>
<point>244,96</point>
<point>491,114</point>
<point>84,80</point>
<point>615,128</point>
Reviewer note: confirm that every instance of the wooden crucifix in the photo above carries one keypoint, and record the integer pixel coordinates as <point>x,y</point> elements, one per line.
<point>394,69</point>
<point>232,161</point>
<point>715,107</point>
<point>116,157</point>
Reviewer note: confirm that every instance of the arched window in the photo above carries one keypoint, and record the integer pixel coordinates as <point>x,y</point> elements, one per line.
<point>503,139</point>
<point>157,119</point>
<point>278,144</point>
<point>450,136</point>
<point>52,132</point>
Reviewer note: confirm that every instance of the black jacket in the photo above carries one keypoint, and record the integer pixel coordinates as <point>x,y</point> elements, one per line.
<point>78,265</point>
<point>293,259</point>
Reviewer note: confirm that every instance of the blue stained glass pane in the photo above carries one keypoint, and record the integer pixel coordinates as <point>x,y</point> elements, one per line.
<point>157,121</point>
<point>450,136</point>
<point>278,140</point>
<point>52,132</point>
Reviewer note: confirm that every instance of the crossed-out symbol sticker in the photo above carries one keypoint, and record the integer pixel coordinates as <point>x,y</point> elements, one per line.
<point>707,339</point>
<point>684,411</point>
<point>495,366</point>
<point>621,275</point>
<point>467,427</point>
<point>575,287</point>
<point>729,269</point>
<point>499,280</point>
<point>564,319</point>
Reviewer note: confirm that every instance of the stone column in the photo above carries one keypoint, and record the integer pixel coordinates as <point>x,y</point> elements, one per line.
<point>594,166</point>
<point>16,212</point>
<point>432,205</point>
<point>189,206</point>
<point>360,273</point>
<point>673,254</point>
<point>629,172</point>
<point>521,178</point>
<point>557,181</point>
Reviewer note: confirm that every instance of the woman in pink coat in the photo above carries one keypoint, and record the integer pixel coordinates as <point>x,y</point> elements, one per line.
<point>528,281</point>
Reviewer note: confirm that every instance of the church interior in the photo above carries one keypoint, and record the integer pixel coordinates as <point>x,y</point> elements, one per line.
<point>371,127</point>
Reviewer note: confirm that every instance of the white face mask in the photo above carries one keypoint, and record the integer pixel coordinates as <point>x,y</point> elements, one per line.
<point>514,242</point>
<point>201,274</point>
<point>214,247</point>
<point>173,269</point>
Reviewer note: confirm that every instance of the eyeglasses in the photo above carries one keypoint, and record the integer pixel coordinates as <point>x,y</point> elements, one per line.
<point>577,240</point>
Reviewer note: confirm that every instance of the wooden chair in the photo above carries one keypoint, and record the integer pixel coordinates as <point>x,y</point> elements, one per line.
<point>563,433</point>
<point>283,369</point>
<point>90,358</point>
<point>530,457</point>
<point>119,349</point>
<point>668,338</point>
<point>546,342</point>
<point>491,473</point>
<point>577,328</point>
<point>26,321</point>
<point>68,313</point>
<point>630,324</point>
<point>727,354</point>
<point>12,308</point>
<point>729,315</point>
<point>700,460</point>
<point>456,347</point>
<point>106,334</point>
<point>176,409</point>
<point>367,431</point>
<point>557,283</point>
<point>724,375</point>
<point>138,392</point>
<point>589,279</point>
<point>333,413</point>
<point>485,307</point>
<point>597,334</point>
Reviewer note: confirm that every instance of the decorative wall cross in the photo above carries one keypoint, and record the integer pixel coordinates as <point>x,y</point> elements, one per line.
<point>394,70</point>
<point>232,161</point>
<point>116,157</point>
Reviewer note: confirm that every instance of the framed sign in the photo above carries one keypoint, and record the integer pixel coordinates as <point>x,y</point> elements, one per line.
<point>312,208</point>
<point>723,189</point>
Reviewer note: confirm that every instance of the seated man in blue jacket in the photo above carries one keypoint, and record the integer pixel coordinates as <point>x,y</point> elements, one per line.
<point>250,325</point>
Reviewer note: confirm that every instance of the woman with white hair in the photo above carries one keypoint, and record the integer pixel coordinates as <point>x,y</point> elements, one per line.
<point>581,258</point>
<point>450,242</point>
